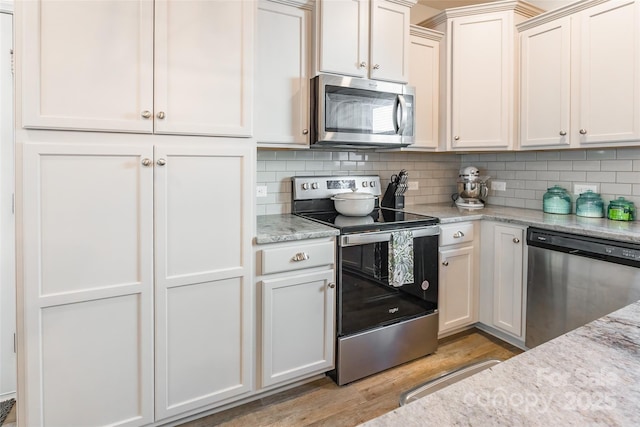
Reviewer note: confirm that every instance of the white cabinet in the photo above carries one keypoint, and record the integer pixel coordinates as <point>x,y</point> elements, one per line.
<point>424,75</point>
<point>503,278</point>
<point>298,299</point>
<point>364,38</point>
<point>479,74</point>
<point>581,76</point>
<point>171,67</point>
<point>7,226</point>
<point>133,278</point>
<point>458,284</point>
<point>283,54</point>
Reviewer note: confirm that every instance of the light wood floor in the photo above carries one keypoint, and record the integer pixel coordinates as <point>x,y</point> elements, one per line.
<point>323,403</point>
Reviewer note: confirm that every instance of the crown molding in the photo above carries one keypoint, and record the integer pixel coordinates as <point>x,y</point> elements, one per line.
<point>303,4</point>
<point>522,8</point>
<point>425,33</point>
<point>561,12</point>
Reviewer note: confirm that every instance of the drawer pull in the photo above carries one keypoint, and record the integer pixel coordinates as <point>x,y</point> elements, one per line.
<point>458,235</point>
<point>300,256</point>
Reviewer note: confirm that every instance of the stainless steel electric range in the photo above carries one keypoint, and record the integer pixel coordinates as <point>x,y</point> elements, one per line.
<point>381,323</point>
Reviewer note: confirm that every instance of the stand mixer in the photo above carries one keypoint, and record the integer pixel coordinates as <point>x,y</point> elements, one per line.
<point>472,189</point>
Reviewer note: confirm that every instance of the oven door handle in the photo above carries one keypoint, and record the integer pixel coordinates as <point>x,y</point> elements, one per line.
<point>385,236</point>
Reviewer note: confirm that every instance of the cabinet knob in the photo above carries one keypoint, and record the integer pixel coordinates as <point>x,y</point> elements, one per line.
<point>161,115</point>
<point>583,131</point>
<point>563,133</point>
<point>146,162</point>
<point>305,131</point>
<point>376,67</point>
<point>363,64</point>
<point>161,162</point>
<point>146,114</point>
<point>456,137</point>
<point>445,263</point>
<point>516,240</point>
<point>300,256</point>
<point>458,235</point>
<point>332,285</point>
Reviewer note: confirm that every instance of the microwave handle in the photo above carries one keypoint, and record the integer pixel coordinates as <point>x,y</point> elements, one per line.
<point>402,103</point>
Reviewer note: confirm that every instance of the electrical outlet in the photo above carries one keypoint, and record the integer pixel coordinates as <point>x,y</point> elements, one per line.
<point>261,191</point>
<point>413,185</point>
<point>498,185</point>
<point>583,188</point>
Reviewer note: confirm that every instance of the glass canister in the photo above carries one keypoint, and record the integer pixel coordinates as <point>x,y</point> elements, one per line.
<point>590,204</point>
<point>621,210</point>
<point>556,200</point>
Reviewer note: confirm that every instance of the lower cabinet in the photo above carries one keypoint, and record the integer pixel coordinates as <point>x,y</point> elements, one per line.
<point>458,286</point>
<point>297,294</point>
<point>134,287</point>
<point>503,275</point>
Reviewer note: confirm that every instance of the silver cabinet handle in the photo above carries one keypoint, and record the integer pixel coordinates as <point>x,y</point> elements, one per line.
<point>583,131</point>
<point>161,115</point>
<point>458,235</point>
<point>305,131</point>
<point>146,114</point>
<point>300,256</point>
<point>146,162</point>
<point>456,137</point>
<point>363,64</point>
<point>516,240</point>
<point>445,263</point>
<point>332,285</point>
<point>563,133</point>
<point>376,67</point>
<point>161,162</point>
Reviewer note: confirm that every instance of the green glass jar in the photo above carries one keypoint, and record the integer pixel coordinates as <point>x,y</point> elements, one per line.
<point>621,210</point>
<point>556,200</point>
<point>590,204</point>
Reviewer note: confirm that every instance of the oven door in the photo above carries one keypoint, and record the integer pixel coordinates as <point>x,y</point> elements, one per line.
<point>366,299</point>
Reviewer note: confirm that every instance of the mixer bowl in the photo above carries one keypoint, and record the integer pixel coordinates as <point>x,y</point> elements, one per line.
<point>472,189</point>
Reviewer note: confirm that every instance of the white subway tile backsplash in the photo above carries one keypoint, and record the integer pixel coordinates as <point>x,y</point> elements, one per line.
<point>527,174</point>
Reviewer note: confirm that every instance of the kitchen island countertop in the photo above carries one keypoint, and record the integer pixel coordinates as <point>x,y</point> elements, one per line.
<point>589,376</point>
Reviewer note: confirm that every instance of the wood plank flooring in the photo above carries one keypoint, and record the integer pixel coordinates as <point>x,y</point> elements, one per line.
<point>323,403</point>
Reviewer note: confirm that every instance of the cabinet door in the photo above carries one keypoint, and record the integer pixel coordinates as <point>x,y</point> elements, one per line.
<point>203,230</point>
<point>343,37</point>
<point>389,49</point>
<point>86,285</point>
<point>298,326</point>
<point>609,103</point>
<point>457,289</point>
<point>424,54</point>
<point>546,85</point>
<point>507,279</point>
<point>282,74</point>
<point>79,72</point>
<point>482,78</point>
<point>204,67</point>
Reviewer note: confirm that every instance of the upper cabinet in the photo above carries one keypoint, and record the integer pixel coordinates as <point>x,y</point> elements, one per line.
<point>581,76</point>
<point>171,67</point>
<point>364,38</point>
<point>283,53</point>
<point>478,74</point>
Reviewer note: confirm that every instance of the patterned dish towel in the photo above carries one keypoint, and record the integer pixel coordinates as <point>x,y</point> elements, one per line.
<point>401,258</point>
<point>5,408</point>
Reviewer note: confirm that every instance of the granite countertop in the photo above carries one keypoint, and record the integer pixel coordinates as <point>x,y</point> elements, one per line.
<point>589,376</point>
<point>287,227</point>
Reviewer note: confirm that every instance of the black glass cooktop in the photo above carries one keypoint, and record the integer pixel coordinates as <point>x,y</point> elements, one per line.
<point>380,219</point>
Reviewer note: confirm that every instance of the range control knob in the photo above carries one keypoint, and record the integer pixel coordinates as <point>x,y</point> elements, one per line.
<point>314,185</point>
<point>372,184</point>
<point>305,185</point>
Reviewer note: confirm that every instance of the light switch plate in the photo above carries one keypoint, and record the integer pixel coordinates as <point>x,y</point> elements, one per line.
<point>582,188</point>
<point>498,185</point>
<point>261,191</point>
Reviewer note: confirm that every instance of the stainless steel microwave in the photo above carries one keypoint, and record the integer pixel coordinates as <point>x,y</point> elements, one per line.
<point>355,113</point>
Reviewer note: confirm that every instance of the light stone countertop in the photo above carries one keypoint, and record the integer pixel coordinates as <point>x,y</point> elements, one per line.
<point>589,376</point>
<point>287,227</point>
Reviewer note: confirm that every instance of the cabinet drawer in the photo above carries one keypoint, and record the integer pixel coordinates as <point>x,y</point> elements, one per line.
<point>296,257</point>
<point>452,234</point>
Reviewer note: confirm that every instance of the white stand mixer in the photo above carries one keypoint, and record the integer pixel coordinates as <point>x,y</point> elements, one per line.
<point>472,189</point>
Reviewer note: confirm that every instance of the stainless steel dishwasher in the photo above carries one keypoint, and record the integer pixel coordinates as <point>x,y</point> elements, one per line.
<point>574,279</point>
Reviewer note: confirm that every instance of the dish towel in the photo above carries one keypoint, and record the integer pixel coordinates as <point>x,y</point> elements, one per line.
<point>5,408</point>
<point>401,258</point>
